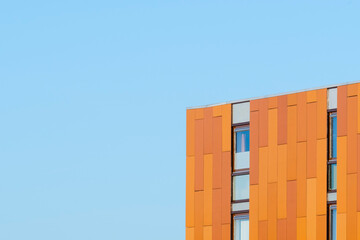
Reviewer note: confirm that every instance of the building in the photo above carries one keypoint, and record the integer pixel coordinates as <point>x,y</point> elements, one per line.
<point>266,168</point>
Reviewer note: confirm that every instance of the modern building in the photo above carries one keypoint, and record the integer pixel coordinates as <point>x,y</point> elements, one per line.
<point>266,168</point>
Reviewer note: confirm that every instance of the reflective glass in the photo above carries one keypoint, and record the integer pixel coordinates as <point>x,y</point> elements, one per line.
<point>242,140</point>
<point>240,187</point>
<point>333,135</point>
<point>241,228</point>
<point>332,176</point>
<point>333,222</point>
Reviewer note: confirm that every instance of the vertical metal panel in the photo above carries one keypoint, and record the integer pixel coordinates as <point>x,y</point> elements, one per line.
<point>301,117</point>
<point>292,143</point>
<point>282,119</point>
<point>216,211</point>
<point>321,226</point>
<point>199,155</point>
<point>263,230</point>
<point>341,226</point>
<point>301,228</point>
<point>311,140</point>
<point>226,127</point>
<point>190,132</point>
<point>263,186</point>
<point>311,209</point>
<point>301,180</point>
<point>341,174</point>
<point>273,102</point>
<point>199,215</point>
<point>254,147</point>
<point>190,191</point>
<point>254,213</point>
<point>272,142</point>
<point>199,113</point>
<point>263,123</point>
<point>321,118</point>
<point>217,111</point>
<point>281,229</point>
<point>321,173</point>
<point>282,185</point>
<point>352,90</point>
<point>226,231</point>
<point>311,96</point>
<point>226,188</point>
<point>190,234</point>
<point>208,233</point>
<point>292,99</point>
<point>272,211</point>
<point>291,205</point>
<point>208,118</point>
<point>208,180</point>
<point>351,215</point>
<point>352,134</point>
<point>342,111</point>
<point>217,149</point>
<point>241,112</point>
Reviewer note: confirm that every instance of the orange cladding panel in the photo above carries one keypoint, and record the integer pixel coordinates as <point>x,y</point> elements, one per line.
<point>311,96</point>
<point>301,180</point>
<point>226,127</point>
<point>263,123</point>
<point>291,209</point>
<point>199,215</point>
<point>208,167</point>
<point>199,155</point>
<point>282,119</point>
<point>292,99</point>
<point>321,180</point>
<point>190,192</point>
<point>321,118</point>
<point>254,147</point>
<point>352,90</point>
<point>273,102</point>
<point>351,215</point>
<point>208,233</point>
<point>301,228</point>
<point>342,111</point>
<point>208,118</point>
<point>263,184</point>
<point>272,211</point>
<point>254,213</point>
<point>216,211</point>
<point>352,135</point>
<point>341,174</point>
<point>190,132</point>
<point>321,227</point>
<point>282,184</point>
<point>190,234</point>
<point>311,141</point>
<point>217,152</point>
<point>301,117</point>
<point>199,113</point>
<point>311,209</point>
<point>292,143</point>
<point>272,142</point>
<point>341,226</point>
<point>263,230</point>
<point>281,229</point>
<point>226,188</point>
<point>226,231</point>
<point>255,105</point>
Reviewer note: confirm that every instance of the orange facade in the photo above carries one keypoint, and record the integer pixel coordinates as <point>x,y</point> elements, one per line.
<point>288,167</point>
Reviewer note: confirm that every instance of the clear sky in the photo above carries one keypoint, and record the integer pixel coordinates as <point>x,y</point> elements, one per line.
<point>94,95</point>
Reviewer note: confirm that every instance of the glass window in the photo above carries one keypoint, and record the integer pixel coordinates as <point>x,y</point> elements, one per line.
<point>242,147</point>
<point>332,176</point>
<point>333,135</point>
<point>241,227</point>
<point>241,187</point>
<point>242,139</point>
<point>332,222</point>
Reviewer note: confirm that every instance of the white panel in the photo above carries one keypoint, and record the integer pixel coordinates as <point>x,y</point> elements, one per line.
<point>332,98</point>
<point>241,112</point>
<point>240,206</point>
<point>332,197</point>
<point>242,160</point>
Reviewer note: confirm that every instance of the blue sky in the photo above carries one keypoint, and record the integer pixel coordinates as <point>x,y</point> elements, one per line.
<point>94,95</point>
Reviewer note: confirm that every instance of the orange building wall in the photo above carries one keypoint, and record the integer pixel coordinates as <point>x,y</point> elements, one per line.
<point>208,173</point>
<point>288,168</point>
<point>348,199</point>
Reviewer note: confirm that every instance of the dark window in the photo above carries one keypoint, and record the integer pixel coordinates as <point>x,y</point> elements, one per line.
<point>332,222</point>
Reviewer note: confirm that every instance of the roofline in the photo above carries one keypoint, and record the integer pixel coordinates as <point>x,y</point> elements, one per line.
<point>274,95</point>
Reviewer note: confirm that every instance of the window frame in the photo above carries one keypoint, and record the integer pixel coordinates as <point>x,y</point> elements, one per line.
<point>330,160</point>
<point>331,206</point>
<point>235,126</point>
<point>244,215</point>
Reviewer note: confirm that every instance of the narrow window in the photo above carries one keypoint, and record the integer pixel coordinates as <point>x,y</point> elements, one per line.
<point>242,147</point>
<point>332,146</point>
<point>332,222</point>
<point>241,187</point>
<point>241,227</point>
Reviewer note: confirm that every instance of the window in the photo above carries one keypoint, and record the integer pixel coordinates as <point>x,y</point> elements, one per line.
<point>332,222</point>
<point>241,187</point>
<point>241,227</point>
<point>332,156</point>
<point>242,147</point>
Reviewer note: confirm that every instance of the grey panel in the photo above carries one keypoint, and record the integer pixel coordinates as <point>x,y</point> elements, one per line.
<point>240,206</point>
<point>241,112</point>
<point>331,196</point>
<point>332,98</point>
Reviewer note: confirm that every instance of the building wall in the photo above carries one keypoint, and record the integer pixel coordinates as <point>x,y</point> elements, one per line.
<point>208,173</point>
<point>288,167</point>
